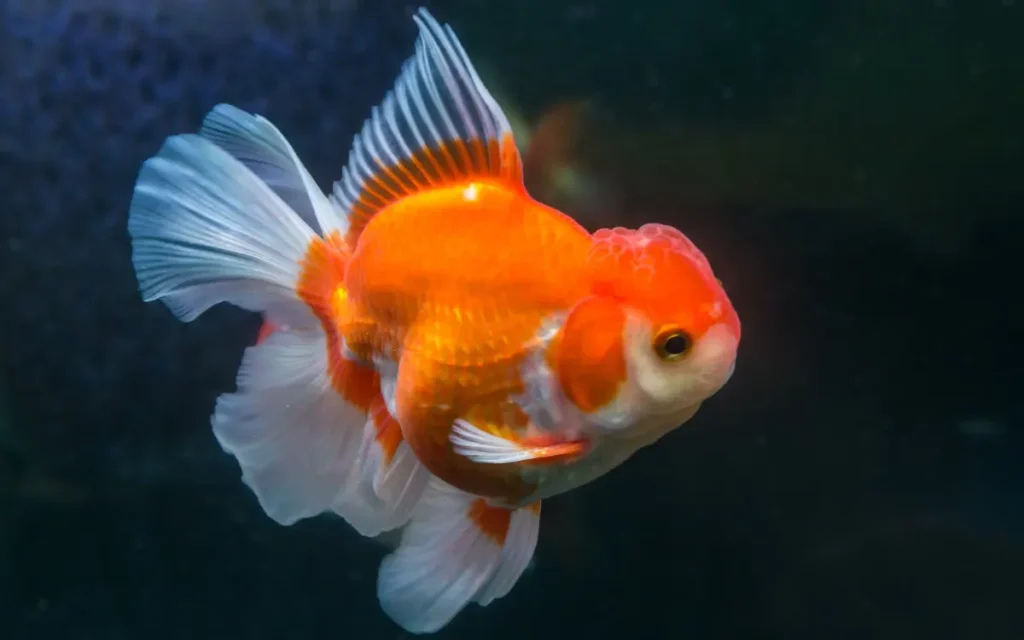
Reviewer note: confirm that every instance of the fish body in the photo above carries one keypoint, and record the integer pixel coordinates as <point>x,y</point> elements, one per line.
<point>457,316</point>
<point>442,351</point>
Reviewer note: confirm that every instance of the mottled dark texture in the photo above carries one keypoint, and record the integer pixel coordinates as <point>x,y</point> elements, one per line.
<point>88,94</point>
<point>859,477</point>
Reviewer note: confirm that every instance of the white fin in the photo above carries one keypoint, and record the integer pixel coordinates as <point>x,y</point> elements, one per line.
<point>446,560</point>
<point>516,554</point>
<point>438,105</point>
<point>206,230</point>
<point>478,445</point>
<point>486,448</point>
<point>390,479</point>
<point>397,484</point>
<point>261,147</point>
<point>295,438</point>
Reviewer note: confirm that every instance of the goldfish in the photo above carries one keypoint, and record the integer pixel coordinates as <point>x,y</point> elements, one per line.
<point>553,150</point>
<point>548,162</point>
<point>443,352</point>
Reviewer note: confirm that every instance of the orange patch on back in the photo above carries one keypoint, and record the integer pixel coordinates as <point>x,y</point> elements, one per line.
<point>590,361</point>
<point>453,162</point>
<point>493,522</point>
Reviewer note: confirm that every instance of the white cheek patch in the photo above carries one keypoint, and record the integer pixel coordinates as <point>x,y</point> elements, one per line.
<point>649,374</point>
<point>667,386</point>
<point>714,358</point>
<point>620,413</point>
<point>652,387</point>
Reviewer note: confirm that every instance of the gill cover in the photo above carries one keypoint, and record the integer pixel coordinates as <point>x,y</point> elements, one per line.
<point>590,360</point>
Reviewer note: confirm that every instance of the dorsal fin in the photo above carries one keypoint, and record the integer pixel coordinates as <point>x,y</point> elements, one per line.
<point>439,125</point>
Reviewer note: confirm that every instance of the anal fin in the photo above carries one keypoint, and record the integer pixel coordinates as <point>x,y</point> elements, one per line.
<point>294,432</point>
<point>295,425</point>
<point>389,480</point>
<point>455,550</point>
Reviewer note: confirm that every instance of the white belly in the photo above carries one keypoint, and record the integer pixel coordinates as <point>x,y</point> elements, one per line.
<point>607,454</point>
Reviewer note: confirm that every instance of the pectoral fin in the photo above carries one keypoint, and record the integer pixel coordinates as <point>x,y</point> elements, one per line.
<point>482,446</point>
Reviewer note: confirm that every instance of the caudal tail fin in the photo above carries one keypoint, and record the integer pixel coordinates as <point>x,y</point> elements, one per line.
<point>206,228</point>
<point>231,215</point>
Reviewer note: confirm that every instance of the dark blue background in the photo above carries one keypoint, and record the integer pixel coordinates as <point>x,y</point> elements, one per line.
<point>859,477</point>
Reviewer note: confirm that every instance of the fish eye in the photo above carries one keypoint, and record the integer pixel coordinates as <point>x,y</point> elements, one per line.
<point>672,344</point>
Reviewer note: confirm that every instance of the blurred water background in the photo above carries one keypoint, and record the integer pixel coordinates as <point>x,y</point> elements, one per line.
<point>852,168</point>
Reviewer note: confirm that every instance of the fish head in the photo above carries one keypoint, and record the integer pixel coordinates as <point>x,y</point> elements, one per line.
<point>657,336</point>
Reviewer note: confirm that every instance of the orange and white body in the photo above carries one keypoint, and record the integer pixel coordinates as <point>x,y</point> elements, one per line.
<point>446,351</point>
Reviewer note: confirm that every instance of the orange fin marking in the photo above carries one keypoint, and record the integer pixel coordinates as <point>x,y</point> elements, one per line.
<point>321,287</point>
<point>498,445</point>
<point>266,329</point>
<point>493,522</point>
<point>439,126</point>
<point>356,382</point>
<point>388,432</point>
<point>548,449</point>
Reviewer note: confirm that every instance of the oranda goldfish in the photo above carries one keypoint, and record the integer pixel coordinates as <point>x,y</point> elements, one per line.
<point>448,351</point>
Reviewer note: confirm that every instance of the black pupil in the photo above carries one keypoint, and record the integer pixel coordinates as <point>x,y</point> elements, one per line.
<point>676,344</point>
